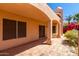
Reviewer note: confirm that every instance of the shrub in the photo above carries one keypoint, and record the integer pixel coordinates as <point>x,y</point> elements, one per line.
<point>72,35</point>
<point>64,28</point>
<point>68,27</point>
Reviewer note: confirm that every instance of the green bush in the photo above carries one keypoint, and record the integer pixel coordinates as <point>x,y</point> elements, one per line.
<point>72,35</point>
<point>65,26</point>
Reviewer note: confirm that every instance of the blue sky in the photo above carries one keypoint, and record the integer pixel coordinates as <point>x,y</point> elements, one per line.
<point>69,8</point>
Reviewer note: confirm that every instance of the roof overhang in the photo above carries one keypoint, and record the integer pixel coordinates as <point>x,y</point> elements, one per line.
<point>25,10</point>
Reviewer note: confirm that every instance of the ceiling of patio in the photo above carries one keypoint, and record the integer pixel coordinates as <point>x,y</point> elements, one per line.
<point>26,10</point>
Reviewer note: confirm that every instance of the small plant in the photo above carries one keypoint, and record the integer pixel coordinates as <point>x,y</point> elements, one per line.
<point>72,36</point>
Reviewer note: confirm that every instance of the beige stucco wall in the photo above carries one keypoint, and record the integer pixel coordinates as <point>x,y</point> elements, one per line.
<point>32,23</point>
<point>51,15</point>
<point>55,24</point>
<point>47,10</point>
<point>32,30</point>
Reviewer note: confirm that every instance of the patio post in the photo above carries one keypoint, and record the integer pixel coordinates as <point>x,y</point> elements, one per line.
<point>49,32</point>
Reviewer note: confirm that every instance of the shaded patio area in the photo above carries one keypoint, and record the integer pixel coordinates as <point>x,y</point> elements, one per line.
<point>38,48</point>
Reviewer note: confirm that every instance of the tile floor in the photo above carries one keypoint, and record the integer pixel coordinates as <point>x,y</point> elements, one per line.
<point>38,48</point>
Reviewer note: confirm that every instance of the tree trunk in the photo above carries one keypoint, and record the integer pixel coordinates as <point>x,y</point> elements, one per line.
<point>78,42</point>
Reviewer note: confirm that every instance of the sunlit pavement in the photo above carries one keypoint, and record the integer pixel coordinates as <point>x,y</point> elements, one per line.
<point>37,48</point>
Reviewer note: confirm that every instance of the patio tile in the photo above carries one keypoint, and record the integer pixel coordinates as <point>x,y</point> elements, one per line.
<point>38,49</point>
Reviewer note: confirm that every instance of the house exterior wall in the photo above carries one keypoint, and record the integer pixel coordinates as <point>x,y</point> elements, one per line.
<point>32,30</point>
<point>32,25</point>
<point>52,16</point>
<point>47,10</point>
<point>55,34</point>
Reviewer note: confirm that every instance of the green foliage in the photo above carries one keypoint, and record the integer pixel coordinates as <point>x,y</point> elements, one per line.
<point>72,35</point>
<point>65,26</point>
<point>69,19</point>
<point>76,17</point>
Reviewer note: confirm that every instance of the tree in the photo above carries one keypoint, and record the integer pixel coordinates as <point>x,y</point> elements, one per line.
<point>69,19</point>
<point>76,17</point>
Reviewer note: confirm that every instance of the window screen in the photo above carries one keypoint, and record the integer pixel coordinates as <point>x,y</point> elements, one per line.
<point>21,29</point>
<point>9,29</point>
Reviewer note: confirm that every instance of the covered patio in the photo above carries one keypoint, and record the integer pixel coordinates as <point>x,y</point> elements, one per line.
<point>23,23</point>
<point>39,48</point>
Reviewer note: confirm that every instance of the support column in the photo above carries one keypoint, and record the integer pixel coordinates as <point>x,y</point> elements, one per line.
<point>59,30</point>
<point>61,26</point>
<point>49,32</point>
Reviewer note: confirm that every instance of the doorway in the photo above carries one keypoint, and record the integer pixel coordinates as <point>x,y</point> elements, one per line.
<point>41,31</point>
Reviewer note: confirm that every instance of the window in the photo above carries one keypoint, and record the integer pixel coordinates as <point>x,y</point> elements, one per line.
<point>13,29</point>
<point>54,29</point>
<point>21,29</point>
<point>59,16</point>
<point>9,29</point>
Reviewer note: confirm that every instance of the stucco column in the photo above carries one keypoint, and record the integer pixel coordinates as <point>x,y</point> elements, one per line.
<point>49,32</point>
<point>62,26</point>
<point>59,30</point>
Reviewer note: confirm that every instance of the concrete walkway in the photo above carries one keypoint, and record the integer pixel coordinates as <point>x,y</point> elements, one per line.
<point>38,48</point>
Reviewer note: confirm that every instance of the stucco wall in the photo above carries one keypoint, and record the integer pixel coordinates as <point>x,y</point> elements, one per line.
<point>32,30</point>
<point>47,10</point>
